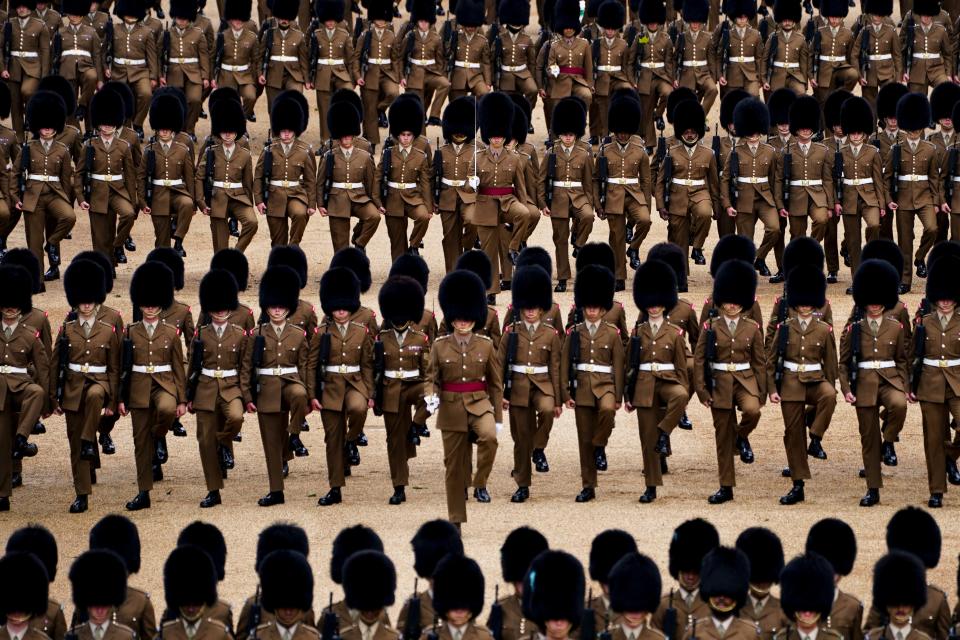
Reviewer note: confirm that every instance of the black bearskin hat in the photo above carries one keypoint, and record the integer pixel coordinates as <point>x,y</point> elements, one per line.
<point>888,251</point>
<point>736,283</point>
<point>169,257</point>
<point>598,253</point>
<point>105,263</point>
<point>608,547</point>
<point>235,262</point>
<point>834,8</point>
<point>695,10</point>
<point>678,95</point>
<point>400,300</point>
<point>521,123</point>
<point>942,99</point>
<point>521,546</point>
<point>17,289</point>
<point>405,115</point>
<point>280,287</point>
<point>915,531</point>
<point>460,117</point>
<point>832,107</point>
<point>496,116</point>
<point>23,257</point>
<point>340,290</point>
<point>99,579</point>
<point>477,262</point>
<point>566,15</point>
<point>806,584</point>
<point>611,14</point>
<point>735,8</point>
<point>513,12</point>
<point>887,99</point>
<point>46,110</point>
<point>209,538</point>
<point>24,584</point>
<point>379,10</point>
<point>856,116</point>
<point>532,254</point>
<point>899,579</point>
<point>369,581</point>
<point>941,281</point>
<point>227,116</point>
<point>778,105</point>
<point>286,581</point>
<point>673,255</point>
<point>655,285</point>
<point>532,289</point>
<point>325,10</point>
<point>691,541</point>
<point>876,282</point>
<point>457,584</point>
<point>186,9</point>
<point>357,261</point>
<point>835,540</point>
<point>941,250</point>
<point>805,114</point>
<point>284,9</point>
<point>218,291</point>
<point>635,584</point>
<point>432,541</point>
<point>462,296</point>
<point>412,266</point>
<point>652,12</point>
<point>729,104</point>
<point>74,8</point>
<point>786,10</point>
<point>38,540</point>
<point>281,536</point>
<point>765,553</point>
<point>62,87</point>
<point>152,285</point>
<point>286,113</point>
<point>689,115</point>
<point>926,8</point>
<point>237,10</point>
<point>624,115</point>
<point>423,10</point>
<point>569,116</point>
<point>5,100</point>
<point>802,250</point>
<point>806,287</point>
<point>343,120</point>
<point>290,255</point>
<point>725,572</point>
<point>470,13</point>
<point>750,117</point>
<point>189,578</point>
<point>84,282</point>
<point>554,589</point>
<point>132,8</point>
<point>349,541</point>
<point>732,247</point>
<point>594,287</point>
<point>913,112</point>
<point>123,90</point>
<point>878,7</point>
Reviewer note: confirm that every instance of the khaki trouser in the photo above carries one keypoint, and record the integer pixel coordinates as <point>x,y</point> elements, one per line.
<point>490,240</point>
<point>355,407</point>
<point>80,423</point>
<point>617,237</point>
<point>678,226</point>
<point>149,425</point>
<point>220,227</point>
<point>7,418</point>
<point>369,218</point>
<point>726,431</point>
<point>20,94</point>
<point>51,210</point>
<point>323,104</point>
<point>288,228</point>
<point>457,461</point>
<point>561,238</point>
<point>649,434</point>
<point>936,437</point>
<point>289,84</point>
<point>458,234</point>
<point>397,228</point>
<point>700,224</point>
<point>375,99</point>
<point>87,87</point>
<point>194,94</point>
<point>654,104</point>
<point>215,428</point>
<point>276,446</point>
<point>747,222</point>
<point>182,208</point>
<point>594,425</point>
<point>434,94</point>
<point>819,217</point>
<point>823,397</point>
<point>638,215</point>
<point>399,449</point>
<point>842,79</point>
<point>248,93</point>
<point>143,94</point>
<point>125,216</point>
<point>852,232</point>
<point>894,403</point>
<point>334,439</point>
<point>905,222</point>
<point>525,423</point>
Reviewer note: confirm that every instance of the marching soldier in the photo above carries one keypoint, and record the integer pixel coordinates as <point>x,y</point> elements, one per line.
<point>346,181</point>
<point>154,393</point>
<point>210,539</point>
<point>654,65</point>
<point>215,386</point>
<point>786,53</point>
<point>613,66</point>
<point>740,50</point>
<point>635,588</point>
<point>601,254</point>
<point>518,58</point>
<point>288,196</point>
<point>801,371</point>
<point>606,549</point>
<point>331,53</point>
<point>889,135</point>
<point>425,64</point>
<point>725,581</point>
<point>657,370</point>
<point>99,581</point>
<point>238,51</point>
<point>469,54</point>
<point>569,63</point>
<point>190,591</point>
<point>357,262</point>
<point>691,541</point>
<point>554,596</point>
<point>728,369</point>
<point>286,591</point>
<point>517,553</point>
<point>94,17</point>
<point>765,553</point>
<point>478,263</point>
<point>376,68</point>
<point>831,51</point>
<point>726,225</point>
<point>806,587</point>
<point>369,583</point>
<point>348,542</point>
<point>465,390</point>
<point>135,57</point>
<point>835,540</point>
<point>178,314</point>
<point>873,365</point>
<point>81,60</point>
<point>89,385</point>
<point>696,55</point>
<point>593,350</point>
<point>234,262</point>
<point>284,53</point>
<point>809,193</point>
<point>457,180</point>
<point>28,42</point>
<point>899,592</point>
<point>932,49</point>
<point>432,541</point>
<point>186,59</point>
<point>880,44</point>
<point>168,198</point>
<point>778,105</point>
<point>732,247</point>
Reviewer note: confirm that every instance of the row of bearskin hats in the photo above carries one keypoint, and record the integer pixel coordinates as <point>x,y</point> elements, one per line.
<point>553,581</point>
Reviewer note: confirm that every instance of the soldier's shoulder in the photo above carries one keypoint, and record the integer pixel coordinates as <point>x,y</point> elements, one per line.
<point>656,633</point>
<point>849,599</point>
<point>181,145</point>
<point>123,629</point>
<point>483,337</point>
<point>133,592</point>
<point>312,631</point>
<point>833,634</point>
<point>940,593</point>
<point>748,626</point>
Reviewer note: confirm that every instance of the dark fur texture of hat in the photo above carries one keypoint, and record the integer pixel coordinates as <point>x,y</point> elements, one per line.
<point>477,261</point>
<point>152,285</point>
<point>62,87</point>
<point>926,8</point>
<point>805,114</point>
<point>876,282</point>
<point>942,282</point>
<point>227,116</point>
<point>786,10</point>
<point>765,553</point>
<point>412,266</point>
<point>281,536</point>
<point>750,117</point>
<point>223,94</point>
<point>379,10</point>
<point>105,263</point>
<point>22,257</point>
<point>340,290</point>
<point>532,254</point>
<point>286,113</point>
<point>514,12</point>
<point>24,584</point>
<point>74,8</point>
<point>285,9</point>
<point>806,584</point>
<point>598,253</point>
<point>941,250</point>
<point>887,99</point>
<point>652,12</point>
<point>343,120</point>
<point>189,578</point>
<point>328,10</point>
<point>532,289</point>
<point>290,255</point>
<point>279,287</point>
<point>635,584</point>
<point>349,541</point>
<point>286,581</point>
<point>899,579</point>
<point>457,584</point>
<point>123,90</point>
<point>554,589</point>
<point>695,10</point>
<point>38,540</point>
<point>608,547</point>
<point>186,9</point>
<point>681,94</point>
<point>611,14</point>
<point>942,100</point>
<point>133,8</point>
<point>688,115</point>
<point>84,281</point>
<point>432,541</point>
<point>423,10</point>
<point>369,581</point>
<point>521,124</point>
<point>732,247</point>
<point>99,579</point>
<point>235,262</point>
<point>358,262</point>
<point>237,10</point>
<point>470,13</point>
<point>736,8</point>
<point>802,250</point>
<point>405,115</point>
<point>806,287</point>
<point>566,15</point>
<point>735,283</point>
<point>218,291</point>
<point>913,112</point>
<point>915,531</point>
<point>856,116</point>
<point>780,101</point>
<point>624,115</point>
<point>16,289</point>
<point>496,116</point>
<point>401,301</point>
<point>725,572</point>
<point>5,99</point>
<point>521,546</point>
<point>878,7</point>
<point>460,117</point>
<point>832,107</point>
<point>673,255</point>
<point>209,538</point>
<point>594,287</point>
<point>886,250</point>
<point>177,94</point>
<point>835,540</point>
<point>46,110</point>
<point>655,285</point>
<point>463,296</point>
<point>169,257</point>
<point>834,8</point>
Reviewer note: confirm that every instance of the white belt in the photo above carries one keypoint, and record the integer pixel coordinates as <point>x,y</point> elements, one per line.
<point>880,56</point>
<point>876,364</point>
<point>729,366</point>
<point>286,184</point>
<point>956,178</point>
<point>595,368</point>
<point>806,183</point>
<point>742,59</point>
<point>129,62</point>
<point>608,68</point>
<point>689,183</point>
<point>86,368</point>
<point>234,67</point>
<point>343,368</point>
<point>5,369</point>
<point>227,185</point>
<point>422,62</point>
<point>623,180</point>
<point>346,185</point>
<point>912,177</point>
<point>278,371</point>
<point>184,60</point>
<point>219,373</point>
<point>379,61</point>
<point>787,65</point>
<point>24,54</point>
<point>519,368</point>
<point>800,367</point>
<point>402,185</point>
<point>106,177</point>
<point>568,184</point>
<point>330,62</point>
<point>653,65</point>
<point>40,178</point>
<point>655,366</point>
<point>151,368</point>
<point>942,363</point>
<point>400,374</point>
<point>508,68</point>
<point>856,182</point>
<point>453,183</point>
<point>694,63</point>
<point>284,58</point>
<point>76,52</point>
<point>463,64</point>
<point>833,58</point>
<point>925,56</point>
<point>749,180</point>
<point>168,183</point>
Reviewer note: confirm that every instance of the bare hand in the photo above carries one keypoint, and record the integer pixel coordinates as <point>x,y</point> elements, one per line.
<point>403,83</point>
<point>382,210</point>
<point>628,407</point>
<point>146,210</point>
<point>213,84</point>
<point>205,210</point>
<point>664,214</point>
<point>309,86</point>
<point>262,80</point>
<point>545,212</point>
<point>837,209</point>
<point>206,84</point>
<point>766,86</point>
<point>58,411</point>
<point>912,397</point>
<point>571,404</point>
<point>315,405</point>
<point>106,74</point>
<point>557,411</point>
<point>543,93</point>
<point>775,398</point>
<point>19,206</point>
<point>506,405</point>
<point>784,214</point>
<point>676,84</point>
<point>310,212</point>
<point>946,208</point>
<point>722,81</point>
<point>906,78</point>
<point>106,412</point>
<point>863,82</point>
<point>892,206</point>
<point>122,408</point>
<point>190,407</point>
<point>323,211</point>
<point>85,206</point>
<point>153,85</point>
<point>731,212</point>
<point>5,75</point>
<point>261,208</point>
<point>360,82</point>
<point>617,406</point>
<point>181,409</point>
<point>251,408</point>
<point>849,397</point>
<point>813,83</point>
<point>707,403</point>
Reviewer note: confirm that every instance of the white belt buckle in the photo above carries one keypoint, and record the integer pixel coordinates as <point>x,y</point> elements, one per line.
<point>343,368</point>
<point>218,373</point>
<point>730,366</point>
<point>5,369</point>
<point>942,363</point>
<point>84,368</point>
<point>278,371</point>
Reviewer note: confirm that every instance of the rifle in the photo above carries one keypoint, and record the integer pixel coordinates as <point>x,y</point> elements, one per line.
<point>7,42</point>
<point>208,177</point>
<point>454,46</point>
<point>667,169</point>
<point>810,28</point>
<point>315,54</point>
<point>670,619</point>
<point>636,347</point>
<point>151,159</point>
<point>772,55</point>
<point>895,175</point>
<point>763,27</point>
<point>254,621</point>
<point>546,58</point>
<point>267,51</point>
<point>379,365</point>
<point>595,52</point>
<point>715,146</point>
<point>661,141</point>
<point>724,48</point>
<point>588,624</point>
<point>259,345</point>
<point>88,171</point>
<point>551,176</point>
<point>267,168</point>
<point>711,356</point>
<point>331,626</point>
<point>386,166</point>
<point>678,52</point>
<point>328,176</point>
<point>630,36</point>
<point>782,338</point>
<point>412,629</point>
<point>322,361</point>
<point>909,29</point>
<point>165,53</point>
<point>919,342</point>
<point>787,175</point>
<point>196,365</point>
<point>815,54</point>
<point>408,54</point>
<point>126,368</point>
<point>495,621</point>
<point>24,169</point>
<point>838,174</point>
<point>357,25</point>
<point>951,172</point>
<point>574,361</point>
<point>855,349</point>
<point>734,173</point>
<point>108,44</point>
<point>497,60</point>
<point>603,173</point>
<point>63,361</point>
<point>864,52</point>
<point>218,55</point>
<point>57,52</point>
<point>437,173</point>
<point>512,340</point>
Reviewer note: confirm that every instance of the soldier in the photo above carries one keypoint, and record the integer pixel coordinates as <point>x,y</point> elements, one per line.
<point>689,195</point>
<point>28,60</point>
<point>278,359</point>
<point>286,581</point>
<point>369,583</point>
<point>740,50</point>
<point>81,60</point>
<point>778,105</point>
<point>890,134</point>
<point>237,49</point>
<point>215,386</point>
<point>931,45</point>
<point>613,66</point>
<point>727,378</point>
<point>830,52</point>
<point>99,582</point>
<point>724,587</point>
<point>135,57</point>
<point>593,350</point>
<point>234,262</point>
<point>806,585</point>
<point>517,60</point>
<point>349,541</point>
<point>517,553</point>
<point>569,62</point>
<point>190,590</point>
<point>467,400</point>
<point>877,51</point>
<point>224,179</point>
<point>432,542</point>
<point>37,540</point>
<point>288,196</point>
<point>834,540</point>
<point>657,369</point>
<point>695,54</point>
<point>424,61</point>
<point>357,262</point>
<point>331,52</point>
<point>810,190</point>
<point>634,593</point>
<point>553,598</point>
<point>457,179</point>
<point>600,254</point>
<point>284,54</point>
<point>97,17</point>
<point>786,53</point>
<point>765,552</point>
<point>469,55</point>
<point>721,146</point>
<point>606,549</point>
<point>376,68</point>
<point>692,540</point>
<point>899,591</point>
<point>654,66</point>
<point>732,247</point>
<point>458,597</point>
<point>186,59</point>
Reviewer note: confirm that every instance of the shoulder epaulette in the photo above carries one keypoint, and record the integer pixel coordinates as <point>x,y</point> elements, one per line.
<point>480,335</point>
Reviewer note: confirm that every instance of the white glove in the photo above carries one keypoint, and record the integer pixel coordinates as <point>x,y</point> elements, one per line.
<point>554,70</point>
<point>432,402</point>
<point>473,181</point>
<point>499,426</point>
